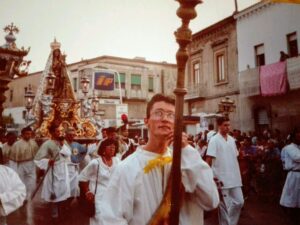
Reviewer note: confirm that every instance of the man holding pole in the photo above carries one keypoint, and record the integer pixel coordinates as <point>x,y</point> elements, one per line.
<point>54,156</point>
<point>139,183</point>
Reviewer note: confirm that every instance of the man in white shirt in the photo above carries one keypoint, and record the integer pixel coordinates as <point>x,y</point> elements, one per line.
<point>53,156</point>
<point>12,192</point>
<point>211,132</point>
<point>21,158</point>
<point>138,184</point>
<point>222,156</point>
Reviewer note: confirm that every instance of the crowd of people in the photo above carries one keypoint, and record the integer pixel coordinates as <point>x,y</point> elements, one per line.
<point>119,180</point>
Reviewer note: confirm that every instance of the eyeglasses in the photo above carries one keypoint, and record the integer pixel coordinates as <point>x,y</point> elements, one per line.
<point>160,114</point>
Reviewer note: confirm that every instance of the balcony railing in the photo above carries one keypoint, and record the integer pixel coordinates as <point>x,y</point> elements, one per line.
<point>249,82</point>
<point>115,93</point>
<point>195,91</point>
<point>293,71</point>
<point>249,79</point>
<point>136,94</point>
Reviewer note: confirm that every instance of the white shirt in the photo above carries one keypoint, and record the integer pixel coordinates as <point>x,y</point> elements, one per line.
<point>12,191</point>
<point>210,134</point>
<point>60,185</point>
<point>290,196</point>
<point>133,195</point>
<point>225,164</point>
<point>89,173</point>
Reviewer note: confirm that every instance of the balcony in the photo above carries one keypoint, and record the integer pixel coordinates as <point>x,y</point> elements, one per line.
<point>293,71</point>
<point>249,79</point>
<point>195,91</point>
<point>112,94</point>
<point>249,82</point>
<point>136,94</point>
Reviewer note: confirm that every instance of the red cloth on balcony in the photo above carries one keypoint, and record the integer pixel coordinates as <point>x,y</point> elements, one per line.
<point>273,79</point>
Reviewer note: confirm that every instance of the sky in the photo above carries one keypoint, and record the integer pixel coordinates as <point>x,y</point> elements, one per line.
<point>91,28</point>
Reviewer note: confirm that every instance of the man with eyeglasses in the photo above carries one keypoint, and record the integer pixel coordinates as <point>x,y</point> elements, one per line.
<point>138,184</point>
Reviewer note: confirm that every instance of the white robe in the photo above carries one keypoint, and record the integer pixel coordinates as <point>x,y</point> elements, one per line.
<point>133,195</point>
<point>89,173</point>
<point>12,191</point>
<point>290,196</point>
<point>61,183</point>
<point>21,158</point>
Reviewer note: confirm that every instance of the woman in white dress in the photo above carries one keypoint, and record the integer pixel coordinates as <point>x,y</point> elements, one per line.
<point>93,187</point>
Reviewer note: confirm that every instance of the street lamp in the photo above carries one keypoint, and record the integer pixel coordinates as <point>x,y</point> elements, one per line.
<point>95,102</point>
<point>50,83</point>
<point>11,63</point>
<point>226,106</point>
<point>29,97</point>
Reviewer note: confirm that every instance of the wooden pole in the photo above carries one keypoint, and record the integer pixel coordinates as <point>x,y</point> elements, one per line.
<point>183,35</point>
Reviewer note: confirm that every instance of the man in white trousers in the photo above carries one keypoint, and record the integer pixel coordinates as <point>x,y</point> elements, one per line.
<point>222,156</point>
<point>21,159</point>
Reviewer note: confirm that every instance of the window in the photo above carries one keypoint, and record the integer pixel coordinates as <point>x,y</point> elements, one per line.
<point>220,66</point>
<point>196,73</point>
<point>292,44</point>
<point>259,55</point>
<point>135,81</point>
<point>75,84</point>
<point>151,84</point>
<point>122,80</point>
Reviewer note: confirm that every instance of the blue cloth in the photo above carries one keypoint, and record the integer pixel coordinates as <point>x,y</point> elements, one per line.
<point>78,152</point>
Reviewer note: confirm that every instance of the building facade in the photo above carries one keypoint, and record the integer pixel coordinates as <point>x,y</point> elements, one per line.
<point>263,31</point>
<point>212,70</point>
<point>139,81</point>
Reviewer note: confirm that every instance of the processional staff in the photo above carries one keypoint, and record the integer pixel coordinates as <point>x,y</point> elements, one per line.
<point>183,35</point>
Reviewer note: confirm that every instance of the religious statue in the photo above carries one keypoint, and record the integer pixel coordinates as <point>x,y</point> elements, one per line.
<point>58,66</point>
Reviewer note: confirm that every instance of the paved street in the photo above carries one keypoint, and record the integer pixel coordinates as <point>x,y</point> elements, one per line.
<point>255,212</point>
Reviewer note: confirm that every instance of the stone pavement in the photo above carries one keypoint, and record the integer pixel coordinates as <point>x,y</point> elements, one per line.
<point>256,211</point>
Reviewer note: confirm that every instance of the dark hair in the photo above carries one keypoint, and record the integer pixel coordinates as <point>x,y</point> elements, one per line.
<point>105,143</point>
<point>11,134</point>
<point>159,98</point>
<point>221,120</point>
<point>25,129</point>
<point>210,126</point>
<point>111,130</point>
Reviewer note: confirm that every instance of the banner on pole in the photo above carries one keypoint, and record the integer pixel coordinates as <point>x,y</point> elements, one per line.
<point>104,81</point>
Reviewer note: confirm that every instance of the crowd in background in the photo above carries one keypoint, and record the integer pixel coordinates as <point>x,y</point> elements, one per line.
<point>260,159</point>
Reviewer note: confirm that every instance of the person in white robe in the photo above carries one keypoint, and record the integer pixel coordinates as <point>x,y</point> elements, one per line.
<point>138,184</point>
<point>12,192</point>
<point>21,158</point>
<point>103,167</point>
<point>290,197</point>
<point>11,139</point>
<point>78,153</point>
<point>222,156</point>
<point>55,154</point>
